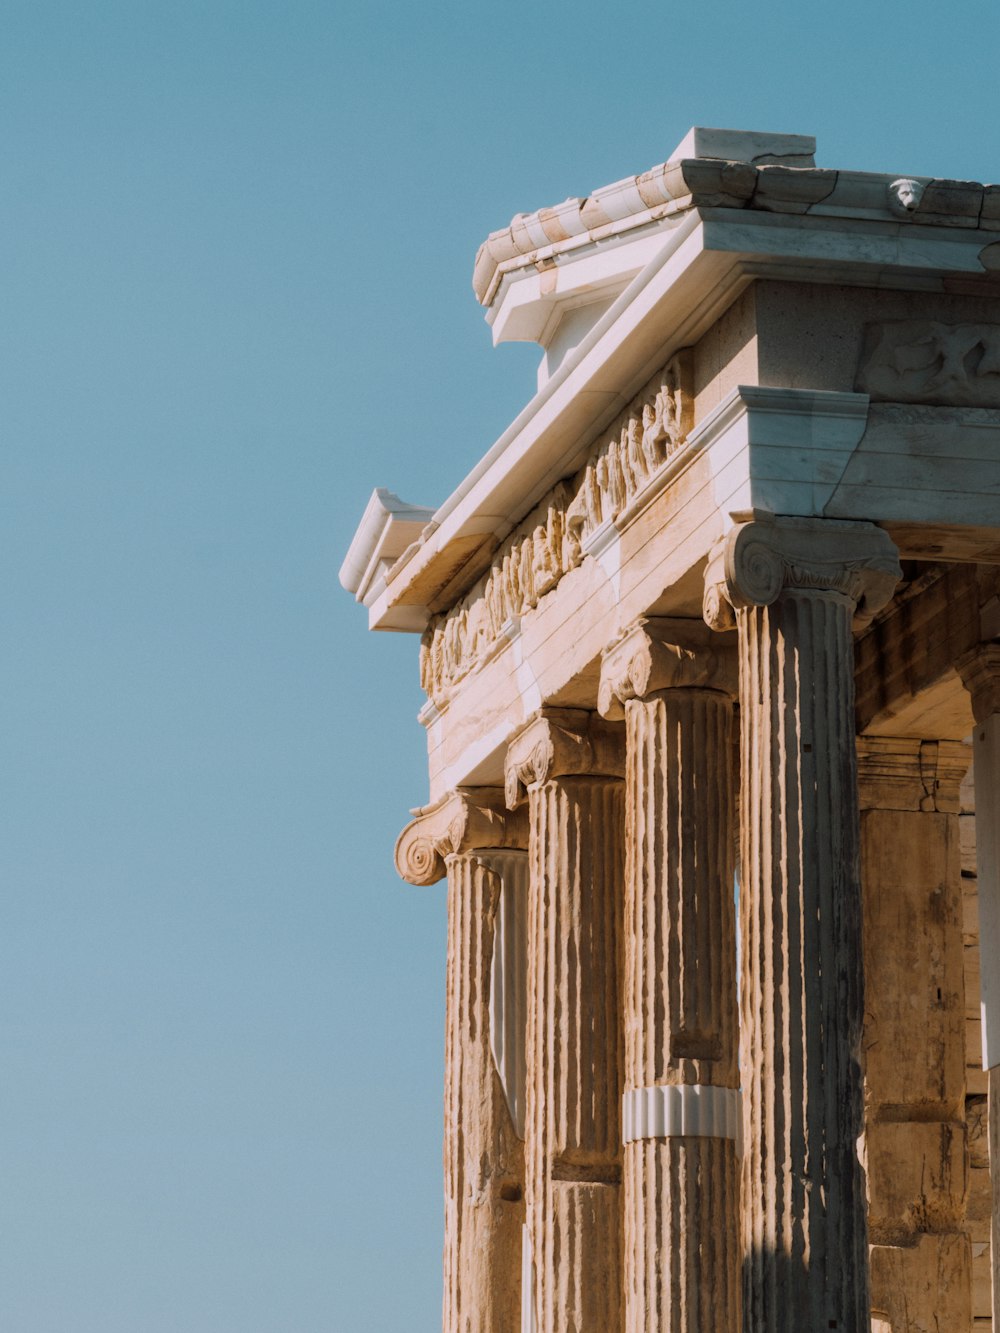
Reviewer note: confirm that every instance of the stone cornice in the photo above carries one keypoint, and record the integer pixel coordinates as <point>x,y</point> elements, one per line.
<point>980,672</point>
<point>662,654</point>
<point>903,773</point>
<point>561,742</point>
<point>469,820</point>
<point>673,187</point>
<point>758,561</point>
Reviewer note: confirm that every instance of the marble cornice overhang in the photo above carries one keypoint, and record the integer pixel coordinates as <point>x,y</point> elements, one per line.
<point>708,254</point>
<point>534,241</point>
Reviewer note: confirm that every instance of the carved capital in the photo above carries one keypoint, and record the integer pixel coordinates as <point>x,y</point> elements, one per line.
<point>980,672</point>
<point>560,742</point>
<point>468,820</point>
<point>902,773</point>
<point>662,654</point>
<point>758,561</point>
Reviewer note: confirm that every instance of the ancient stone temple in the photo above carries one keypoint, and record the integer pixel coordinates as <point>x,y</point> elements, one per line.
<point>711,646</point>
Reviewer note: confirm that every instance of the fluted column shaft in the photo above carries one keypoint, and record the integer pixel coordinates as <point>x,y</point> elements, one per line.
<point>794,587</point>
<point>682,1242</point>
<point>802,985</point>
<point>574,1064</point>
<point>464,836</point>
<point>483,1157</point>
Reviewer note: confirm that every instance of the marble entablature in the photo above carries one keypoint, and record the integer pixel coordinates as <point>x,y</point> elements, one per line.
<point>555,536</point>
<point>926,361</point>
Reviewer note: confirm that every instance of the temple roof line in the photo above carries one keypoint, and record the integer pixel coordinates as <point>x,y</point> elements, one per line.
<point>773,173</point>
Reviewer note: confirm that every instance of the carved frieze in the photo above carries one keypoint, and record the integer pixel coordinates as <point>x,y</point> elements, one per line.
<point>551,541</point>
<point>925,361</point>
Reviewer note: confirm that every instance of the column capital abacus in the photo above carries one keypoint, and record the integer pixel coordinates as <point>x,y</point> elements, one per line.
<point>757,561</point>
<point>980,672</point>
<point>658,653</point>
<point>467,820</point>
<point>561,742</point>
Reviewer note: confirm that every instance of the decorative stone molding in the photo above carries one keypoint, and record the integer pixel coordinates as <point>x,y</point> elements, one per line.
<point>561,742</point>
<point>903,773</point>
<point>791,185</point>
<point>758,561</point>
<point>980,672</point>
<point>464,821</point>
<point>926,361</point>
<point>662,654</point>
<point>554,537</point>
<point>680,1110</point>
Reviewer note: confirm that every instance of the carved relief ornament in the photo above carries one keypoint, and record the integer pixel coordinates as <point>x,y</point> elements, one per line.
<point>561,742</point>
<point>662,654</point>
<point>468,820</point>
<point>551,541</point>
<point>927,361</point>
<point>758,561</point>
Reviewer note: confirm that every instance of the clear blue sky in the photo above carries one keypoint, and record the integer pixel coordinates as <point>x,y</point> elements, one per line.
<point>237,242</point>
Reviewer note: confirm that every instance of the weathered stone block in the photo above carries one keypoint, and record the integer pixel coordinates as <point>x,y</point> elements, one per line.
<point>926,1288</point>
<point>914,965</point>
<point>982,1284</point>
<point>970,910</point>
<point>917,1179</point>
<point>967,842</point>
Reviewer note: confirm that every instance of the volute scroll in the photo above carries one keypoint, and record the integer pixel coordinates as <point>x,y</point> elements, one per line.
<point>757,561</point>
<point>467,820</point>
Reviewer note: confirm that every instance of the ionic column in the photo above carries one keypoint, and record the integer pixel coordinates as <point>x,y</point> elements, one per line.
<point>674,681</point>
<point>479,845</point>
<point>568,763</point>
<point>792,586</point>
<point>980,672</point>
<point>914,1032</point>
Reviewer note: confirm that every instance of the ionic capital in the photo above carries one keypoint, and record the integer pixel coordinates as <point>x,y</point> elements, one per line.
<point>560,742</point>
<point>980,672</point>
<point>467,820</point>
<point>758,561</point>
<point>661,654</point>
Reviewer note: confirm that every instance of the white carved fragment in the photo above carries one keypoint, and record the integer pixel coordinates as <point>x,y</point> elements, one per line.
<point>686,1110</point>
